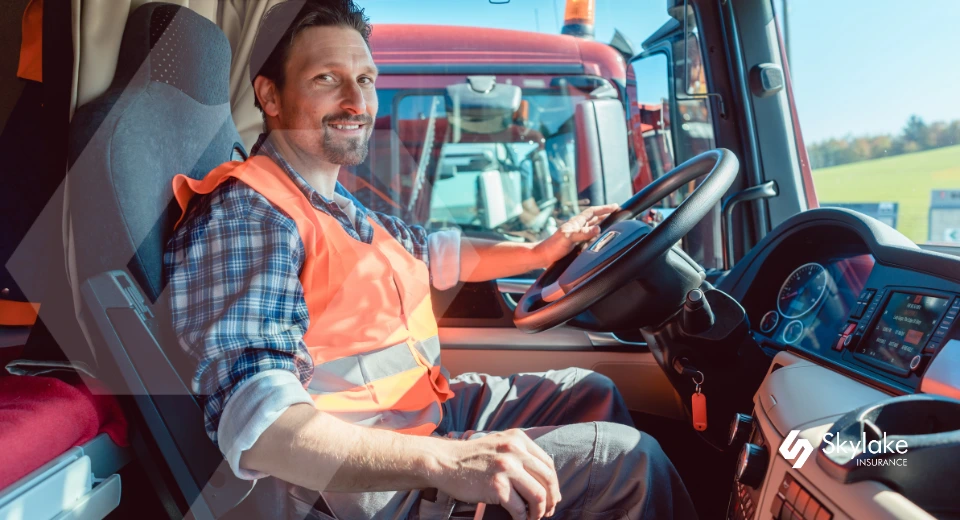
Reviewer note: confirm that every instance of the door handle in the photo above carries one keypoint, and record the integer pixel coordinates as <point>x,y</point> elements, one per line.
<point>609,339</point>
<point>514,285</point>
<point>510,286</point>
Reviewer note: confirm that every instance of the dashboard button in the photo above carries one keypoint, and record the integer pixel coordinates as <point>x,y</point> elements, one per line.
<point>777,505</point>
<point>752,465</point>
<point>839,345</point>
<point>801,502</point>
<point>792,492</point>
<point>858,311</point>
<point>915,362</point>
<point>740,429</point>
<point>931,347</point>
<point>785,485</point>
<point>810,512</point>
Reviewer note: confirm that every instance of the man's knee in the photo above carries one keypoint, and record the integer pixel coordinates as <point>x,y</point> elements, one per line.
<point>597,383</point>
<point>600,393</point>
<point>629,447</point>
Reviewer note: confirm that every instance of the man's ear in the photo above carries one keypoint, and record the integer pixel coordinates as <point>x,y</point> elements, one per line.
<point>266,91</point>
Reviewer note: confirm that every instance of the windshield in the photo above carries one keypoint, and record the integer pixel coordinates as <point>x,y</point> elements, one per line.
<point>877,99</point>
<point>496,156</point>
<point>476,127</point>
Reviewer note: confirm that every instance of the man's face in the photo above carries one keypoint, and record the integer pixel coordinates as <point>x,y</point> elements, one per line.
<point>328,103</point>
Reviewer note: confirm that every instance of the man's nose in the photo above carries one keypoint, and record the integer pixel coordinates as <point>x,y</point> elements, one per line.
<point>352,98</point>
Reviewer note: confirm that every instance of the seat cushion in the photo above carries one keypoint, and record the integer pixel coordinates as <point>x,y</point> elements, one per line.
<point>42,417</point>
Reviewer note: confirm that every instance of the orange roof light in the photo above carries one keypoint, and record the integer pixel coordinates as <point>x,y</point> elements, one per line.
<point>580,11</point>
<point>579,17</point>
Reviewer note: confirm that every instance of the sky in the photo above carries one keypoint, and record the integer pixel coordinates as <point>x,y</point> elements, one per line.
<point>857,66</point>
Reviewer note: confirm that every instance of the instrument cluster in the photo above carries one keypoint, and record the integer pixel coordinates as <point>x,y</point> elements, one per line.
<point>813,300</point>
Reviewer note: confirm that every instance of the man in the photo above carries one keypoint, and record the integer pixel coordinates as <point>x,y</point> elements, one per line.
<point>311,322</point>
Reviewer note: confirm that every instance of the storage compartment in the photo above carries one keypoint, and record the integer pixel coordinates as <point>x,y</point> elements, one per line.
<point>79,484</point>
<point>910,443</point>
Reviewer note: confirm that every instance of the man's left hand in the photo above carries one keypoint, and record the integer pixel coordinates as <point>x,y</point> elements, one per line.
<point>581,228</point>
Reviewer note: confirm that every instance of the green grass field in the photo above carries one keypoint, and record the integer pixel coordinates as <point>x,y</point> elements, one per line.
<point>905,179</point>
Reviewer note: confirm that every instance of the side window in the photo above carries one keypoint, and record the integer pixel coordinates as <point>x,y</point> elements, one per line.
<point>671,121</point>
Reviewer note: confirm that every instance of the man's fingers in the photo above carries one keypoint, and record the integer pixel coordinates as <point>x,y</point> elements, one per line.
<point>547,477</point>
<point>537,451</point>
<point>597,212</point>
<point>533,493</point>
<point>552,484</point>
<point>514,505</point>
<point>606,209</point>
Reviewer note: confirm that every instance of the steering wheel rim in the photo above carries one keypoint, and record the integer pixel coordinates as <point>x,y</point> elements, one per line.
<point>598,276</point>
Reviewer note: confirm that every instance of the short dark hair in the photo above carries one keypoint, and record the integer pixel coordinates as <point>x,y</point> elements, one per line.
<point>283,22</point>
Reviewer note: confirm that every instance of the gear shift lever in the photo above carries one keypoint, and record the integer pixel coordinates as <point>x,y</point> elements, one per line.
<point>697,315</point>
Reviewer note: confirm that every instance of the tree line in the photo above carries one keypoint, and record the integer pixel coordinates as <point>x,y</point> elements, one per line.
<point>916,136</point>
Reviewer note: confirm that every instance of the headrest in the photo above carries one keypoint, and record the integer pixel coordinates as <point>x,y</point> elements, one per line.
<point>168,40</point>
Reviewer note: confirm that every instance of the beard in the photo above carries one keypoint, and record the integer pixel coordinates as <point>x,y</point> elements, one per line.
<point>343,150</point>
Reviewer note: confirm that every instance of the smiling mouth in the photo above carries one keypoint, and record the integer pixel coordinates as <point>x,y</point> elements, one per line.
<point>346,126</point>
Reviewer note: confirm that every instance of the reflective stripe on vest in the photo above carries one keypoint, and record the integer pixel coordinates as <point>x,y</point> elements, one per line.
<point>372,333</point>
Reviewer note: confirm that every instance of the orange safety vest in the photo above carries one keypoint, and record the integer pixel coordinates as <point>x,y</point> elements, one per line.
<point>372,333</point>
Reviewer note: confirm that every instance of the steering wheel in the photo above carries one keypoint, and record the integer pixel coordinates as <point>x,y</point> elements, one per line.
<point>628,250</point>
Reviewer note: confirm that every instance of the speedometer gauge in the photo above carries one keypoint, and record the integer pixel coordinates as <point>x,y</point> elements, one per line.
<point>802,290</point>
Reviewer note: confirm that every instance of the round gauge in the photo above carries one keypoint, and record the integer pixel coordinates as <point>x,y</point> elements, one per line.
<point>769,322</point>
<point>802,290</point>
<point>792,332</point>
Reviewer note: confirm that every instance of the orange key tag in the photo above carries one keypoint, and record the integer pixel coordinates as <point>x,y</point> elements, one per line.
<point>698,407</point>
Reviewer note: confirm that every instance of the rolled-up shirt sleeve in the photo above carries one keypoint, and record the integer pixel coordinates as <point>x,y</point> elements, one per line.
<point>444,250</point>
<point>440,250</point>
<point>237,308</point>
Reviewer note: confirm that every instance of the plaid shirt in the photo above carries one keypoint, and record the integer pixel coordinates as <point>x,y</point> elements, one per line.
<point>234,266</point>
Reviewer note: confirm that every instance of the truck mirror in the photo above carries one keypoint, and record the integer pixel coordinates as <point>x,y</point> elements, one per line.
<point>603,161</point>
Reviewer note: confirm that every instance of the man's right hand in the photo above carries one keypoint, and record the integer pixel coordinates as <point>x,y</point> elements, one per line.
<point>505,468</point>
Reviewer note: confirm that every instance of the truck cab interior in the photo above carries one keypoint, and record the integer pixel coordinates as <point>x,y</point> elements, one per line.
<point>816,334</point>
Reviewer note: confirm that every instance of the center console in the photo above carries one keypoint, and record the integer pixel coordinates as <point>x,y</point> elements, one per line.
<point>801,403</point>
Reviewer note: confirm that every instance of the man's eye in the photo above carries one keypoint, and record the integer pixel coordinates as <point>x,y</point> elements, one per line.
<point>324,77</point>
<point>365,81</point>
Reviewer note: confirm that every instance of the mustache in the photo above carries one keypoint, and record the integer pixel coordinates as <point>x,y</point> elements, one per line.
<point>363,119</point>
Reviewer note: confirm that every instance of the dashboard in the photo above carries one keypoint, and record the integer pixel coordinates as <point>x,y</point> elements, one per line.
<point>851,313</point>
<point>852,294</point>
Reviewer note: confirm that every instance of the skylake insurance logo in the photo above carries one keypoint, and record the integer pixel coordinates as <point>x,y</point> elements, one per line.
<point>790,449</point>
<point>879,449</point>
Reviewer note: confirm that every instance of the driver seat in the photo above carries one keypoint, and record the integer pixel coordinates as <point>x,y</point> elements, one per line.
<point>166,112</point>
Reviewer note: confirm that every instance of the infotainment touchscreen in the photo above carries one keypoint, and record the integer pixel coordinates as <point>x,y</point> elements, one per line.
<point>905,325</point>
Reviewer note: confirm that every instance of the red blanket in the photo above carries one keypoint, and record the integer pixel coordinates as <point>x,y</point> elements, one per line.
<point>42,417</point>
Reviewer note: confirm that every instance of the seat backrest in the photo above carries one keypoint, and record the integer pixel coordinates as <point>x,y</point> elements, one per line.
<point>166,112</point>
